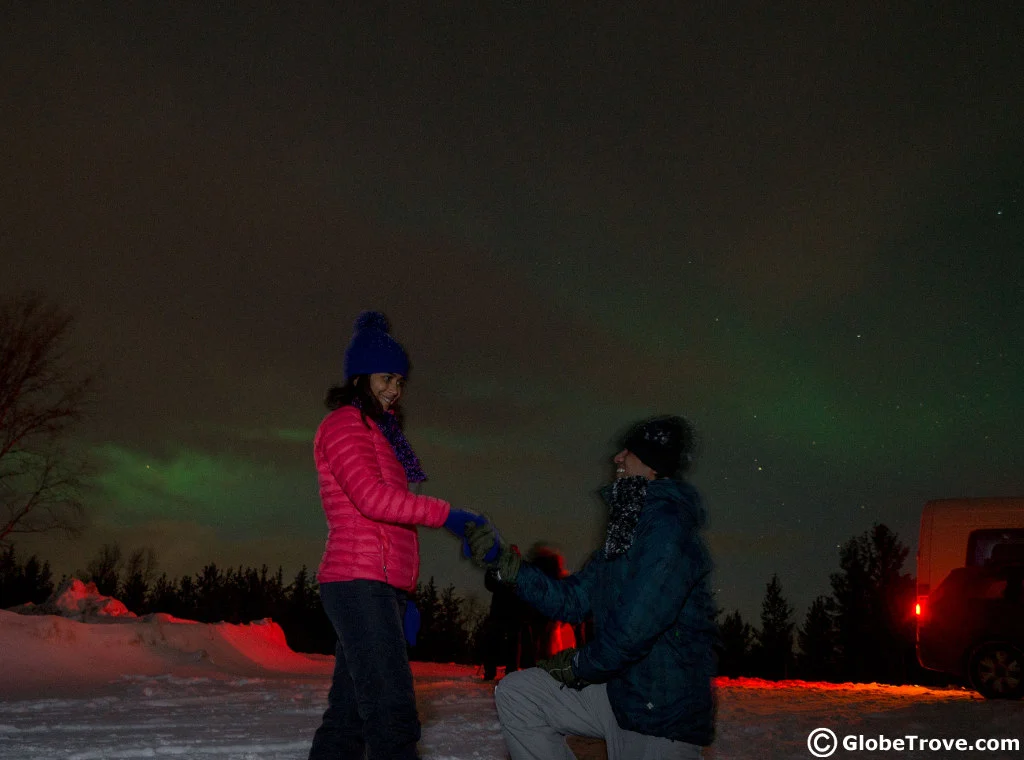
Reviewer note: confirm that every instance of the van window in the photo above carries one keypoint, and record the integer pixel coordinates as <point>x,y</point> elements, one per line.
<point>995,547</point>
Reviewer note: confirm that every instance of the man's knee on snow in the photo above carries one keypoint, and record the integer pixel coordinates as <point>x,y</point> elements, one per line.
<point>515,694</point>
<point>506,689</point>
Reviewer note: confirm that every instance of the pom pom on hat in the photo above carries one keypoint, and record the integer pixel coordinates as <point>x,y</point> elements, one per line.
<point>372,349</point>
<point>371,320</point>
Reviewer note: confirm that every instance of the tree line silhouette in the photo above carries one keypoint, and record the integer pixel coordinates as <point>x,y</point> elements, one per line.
<point>863,631</point>
<point>449,623</point>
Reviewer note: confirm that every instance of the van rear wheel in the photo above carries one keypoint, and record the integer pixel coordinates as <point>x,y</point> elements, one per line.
<point>996,671</point>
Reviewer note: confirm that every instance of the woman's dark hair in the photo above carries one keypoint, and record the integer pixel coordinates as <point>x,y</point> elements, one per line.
<point>358,388</point>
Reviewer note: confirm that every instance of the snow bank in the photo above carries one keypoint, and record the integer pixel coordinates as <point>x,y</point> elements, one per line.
<point>78,601</point>
<point>56,654</point>
<point>157,686</point>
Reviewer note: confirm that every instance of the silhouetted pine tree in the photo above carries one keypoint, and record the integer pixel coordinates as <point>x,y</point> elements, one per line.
<point>305,624</point>
<point>896,594</point>
<point>773,652</point>
<point>210,595</point>
<point>251,594</point>
<point>873,603</point>
<point>450,627</point>
<point>105,569</point>
<point>138,575</point>
<point>428,643</point>
<point>188,599</point>
<point>164,597</point>
<point>736,639</point>
<point>19,584</point>
<point>302,593</point>
<point>10,572</point>
<point>37,580</point>
<point>817,641</point>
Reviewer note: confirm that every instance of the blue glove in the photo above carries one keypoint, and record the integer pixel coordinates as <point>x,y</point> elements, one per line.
<point>458,519</point>
<point>457,522</point>
<point>411,622</point>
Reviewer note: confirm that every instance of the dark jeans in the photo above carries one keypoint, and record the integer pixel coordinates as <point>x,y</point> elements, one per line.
<point>371,708</point>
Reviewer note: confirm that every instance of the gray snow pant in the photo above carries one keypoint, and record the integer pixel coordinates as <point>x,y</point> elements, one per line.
<point>536,715</point>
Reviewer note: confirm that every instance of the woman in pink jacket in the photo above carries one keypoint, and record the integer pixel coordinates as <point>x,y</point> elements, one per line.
<point>371,561</point>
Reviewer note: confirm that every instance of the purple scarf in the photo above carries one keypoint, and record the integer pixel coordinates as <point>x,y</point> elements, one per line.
<point>399,444</point>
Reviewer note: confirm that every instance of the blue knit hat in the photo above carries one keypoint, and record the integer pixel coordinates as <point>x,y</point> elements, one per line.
<point>372,349</point>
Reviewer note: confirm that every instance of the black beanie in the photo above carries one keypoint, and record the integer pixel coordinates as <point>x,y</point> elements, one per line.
<point>665,444</point>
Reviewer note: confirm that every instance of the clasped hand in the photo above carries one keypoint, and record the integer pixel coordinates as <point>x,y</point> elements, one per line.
<point>482,539</point>
<point>460,521</point>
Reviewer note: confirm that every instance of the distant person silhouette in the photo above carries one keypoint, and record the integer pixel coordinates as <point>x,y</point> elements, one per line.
<point>502,627</point>
<point>542,637</point>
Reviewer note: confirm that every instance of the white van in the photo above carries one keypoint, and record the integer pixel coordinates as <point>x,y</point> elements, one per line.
<point>970,614</point>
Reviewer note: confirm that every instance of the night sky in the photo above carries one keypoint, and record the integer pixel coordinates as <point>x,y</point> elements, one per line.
<point>800,226</point>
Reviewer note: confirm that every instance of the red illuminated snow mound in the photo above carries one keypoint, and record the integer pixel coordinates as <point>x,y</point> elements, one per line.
<point>53,652</point>
<point>78,601</point>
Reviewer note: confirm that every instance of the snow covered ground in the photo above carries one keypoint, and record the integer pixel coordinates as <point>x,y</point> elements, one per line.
<point>161,687</point>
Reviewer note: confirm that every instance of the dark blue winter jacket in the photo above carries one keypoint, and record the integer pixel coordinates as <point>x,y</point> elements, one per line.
<point>654,628</point>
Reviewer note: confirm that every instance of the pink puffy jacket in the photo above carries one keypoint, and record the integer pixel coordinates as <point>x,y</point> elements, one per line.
<point>371,513</point>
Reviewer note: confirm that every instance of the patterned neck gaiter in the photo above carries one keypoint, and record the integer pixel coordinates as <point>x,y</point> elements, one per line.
<point>627,500</point>
<point>399,444</point>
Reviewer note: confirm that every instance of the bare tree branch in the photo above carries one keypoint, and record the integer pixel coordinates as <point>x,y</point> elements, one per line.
<point>42,396</point>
